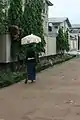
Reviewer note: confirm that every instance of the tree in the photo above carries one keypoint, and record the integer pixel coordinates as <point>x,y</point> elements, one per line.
<point>15,19</point>
<point>3,17</point>
<point>15,12</point>
<point>60,41</point>
<point>66,37</point>
<point>32,20</point>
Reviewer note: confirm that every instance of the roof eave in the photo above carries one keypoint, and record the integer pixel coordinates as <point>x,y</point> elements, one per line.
<point>54,22</point>
<point>49,3</point>
<point>75,28</point>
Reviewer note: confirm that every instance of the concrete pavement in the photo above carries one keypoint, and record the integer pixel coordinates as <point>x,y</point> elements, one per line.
<point>55,96</point>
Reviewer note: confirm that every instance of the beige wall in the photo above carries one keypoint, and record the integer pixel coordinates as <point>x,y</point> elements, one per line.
<point>74,42</point>
<point>73,45</point>
<point>45,27</point>
<point>51,46</point>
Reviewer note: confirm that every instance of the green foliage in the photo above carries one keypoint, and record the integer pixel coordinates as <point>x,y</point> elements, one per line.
<point>62,41</point>
<point>15,18</point>
<point>32,21</point>
<point>66,36</point>
<point>8,78</point>
<point>15,12</point>
<point>3,17</point>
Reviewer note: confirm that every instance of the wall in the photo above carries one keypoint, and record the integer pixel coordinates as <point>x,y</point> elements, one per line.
<point>51,46</point>
<point>52,40</point>
<point>2,48</point>
<point>46,46</point>
<point>73,42</point>
<point>45,27</point>
<point>5,48</point>
<point>73,45</point>
<point>8,49</point>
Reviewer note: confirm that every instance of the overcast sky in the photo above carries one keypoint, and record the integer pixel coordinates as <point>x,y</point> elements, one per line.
<point>66,8</point>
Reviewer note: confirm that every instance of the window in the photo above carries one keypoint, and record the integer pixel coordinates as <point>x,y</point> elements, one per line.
<point>49,28</point>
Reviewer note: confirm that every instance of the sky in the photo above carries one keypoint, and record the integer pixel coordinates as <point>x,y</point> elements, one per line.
<point>66,8</point>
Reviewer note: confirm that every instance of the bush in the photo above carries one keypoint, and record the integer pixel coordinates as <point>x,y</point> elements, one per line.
<point>9,78</point>
<point>3,17</point>
<point>62,41</point>
<point>53,60</point>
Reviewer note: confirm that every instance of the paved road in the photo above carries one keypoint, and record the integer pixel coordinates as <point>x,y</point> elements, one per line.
<point>55,96</point>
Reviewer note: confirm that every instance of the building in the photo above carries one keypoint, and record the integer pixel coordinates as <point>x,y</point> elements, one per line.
<point>75,37</point>
<point>53,26</point>
<point>5,44</point>
<point>47,3</point>
<point>55,23</point>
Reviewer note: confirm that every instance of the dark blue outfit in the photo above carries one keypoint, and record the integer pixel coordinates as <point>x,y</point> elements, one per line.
<point>32,59</point>
<point>31,71</point>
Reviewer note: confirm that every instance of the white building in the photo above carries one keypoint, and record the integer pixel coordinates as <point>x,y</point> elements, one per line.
<point>53,26</point>
<point>75,37</point>
<point>47,3</point>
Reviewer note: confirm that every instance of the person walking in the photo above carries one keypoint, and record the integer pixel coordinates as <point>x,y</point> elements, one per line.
<point>32,58</point>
